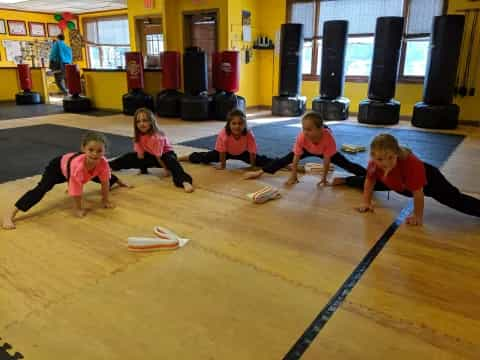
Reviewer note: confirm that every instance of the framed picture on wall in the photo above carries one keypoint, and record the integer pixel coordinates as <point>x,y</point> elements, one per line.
<point>17,27</point>
<point>37,29</point>
<point>3,29</point>
<point>53,30</point>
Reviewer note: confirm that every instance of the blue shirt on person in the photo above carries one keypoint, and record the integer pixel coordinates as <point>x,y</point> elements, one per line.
<point>61,52</point>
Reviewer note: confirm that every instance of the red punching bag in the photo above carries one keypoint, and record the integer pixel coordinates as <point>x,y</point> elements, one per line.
<point>216,76</point>
<point>73,79</point>
<point>134,63</point>
<point>230,71</point>
<point>25,77</point>
<point>171,70</point>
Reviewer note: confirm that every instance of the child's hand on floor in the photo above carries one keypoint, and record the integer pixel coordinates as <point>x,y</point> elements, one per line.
<point>292,180</point>
<point>365,208</point>
<point>414,220</point>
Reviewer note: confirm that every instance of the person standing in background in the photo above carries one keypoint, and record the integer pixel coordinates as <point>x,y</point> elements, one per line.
<point>60,55</point>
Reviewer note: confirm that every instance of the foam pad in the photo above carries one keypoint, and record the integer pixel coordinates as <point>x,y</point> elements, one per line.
<point>263,195</point>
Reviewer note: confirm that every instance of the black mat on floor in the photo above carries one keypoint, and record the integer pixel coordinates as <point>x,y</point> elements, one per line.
<point>9,110</point>
<point>276,140</point>
<point>27,150</point>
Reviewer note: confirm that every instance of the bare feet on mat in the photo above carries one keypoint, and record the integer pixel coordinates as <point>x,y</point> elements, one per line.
<point>188,187</point>
<point>8,223</point>
<point>253,174</point>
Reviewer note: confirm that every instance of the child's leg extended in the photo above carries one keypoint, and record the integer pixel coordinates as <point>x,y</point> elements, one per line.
<point>204,157</point>
<point>439,188</point>
<point>341,161</point>
<point>272,167</point>
<point>51,176</point>
<point>180,177</point>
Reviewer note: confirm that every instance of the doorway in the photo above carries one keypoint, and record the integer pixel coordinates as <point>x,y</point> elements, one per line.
<point>150,40</point>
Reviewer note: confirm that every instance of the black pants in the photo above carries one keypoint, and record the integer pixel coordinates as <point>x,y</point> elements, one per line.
<point>131,161</point>
<point>208,157</point>
<point>337,159</point>
<point>437,187</point>
<point>51,176</point>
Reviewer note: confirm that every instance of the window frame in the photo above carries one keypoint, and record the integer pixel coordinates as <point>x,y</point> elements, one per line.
<point>85,21</point>
<point>358,78</point>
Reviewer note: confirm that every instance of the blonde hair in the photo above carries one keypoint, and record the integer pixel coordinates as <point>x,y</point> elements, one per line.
<point>387,142</point>
<point>315,117</point>
<point>151,118</point>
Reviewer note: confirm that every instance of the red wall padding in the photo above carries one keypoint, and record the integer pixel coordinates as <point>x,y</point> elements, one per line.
<point>25,77</point>
<point>171,70</point>
<point>230,71</point>
<point>134,61</point>
<point>72,76</point>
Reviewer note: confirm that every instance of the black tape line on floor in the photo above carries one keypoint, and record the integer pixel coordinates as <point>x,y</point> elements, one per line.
<point>326,313</point>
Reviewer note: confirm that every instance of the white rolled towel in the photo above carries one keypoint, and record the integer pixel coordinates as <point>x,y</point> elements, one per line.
<point>263,195</point>
<point>164,240</point>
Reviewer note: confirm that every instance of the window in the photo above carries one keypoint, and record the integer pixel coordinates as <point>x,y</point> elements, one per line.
<point>362,16</point>
<point>107,41</point>
<point>154,44</point>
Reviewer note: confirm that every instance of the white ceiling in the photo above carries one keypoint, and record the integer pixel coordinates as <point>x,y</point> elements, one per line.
<point>73,6</point>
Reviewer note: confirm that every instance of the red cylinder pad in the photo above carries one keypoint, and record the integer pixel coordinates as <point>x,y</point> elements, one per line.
<point>216,61</point>
<point>134,63</point>
<point>25,77</point>
<point>230,71</point>
<point>73,79</point>
<point>171,70</point>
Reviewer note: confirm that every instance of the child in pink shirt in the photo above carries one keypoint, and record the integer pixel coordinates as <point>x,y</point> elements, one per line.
<point>75,168</point>
<point>235,141</point>
<point>152,149</point>
<point>314,140</point>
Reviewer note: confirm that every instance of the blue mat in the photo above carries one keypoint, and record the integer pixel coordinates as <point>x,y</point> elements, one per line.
<point>276,140</point>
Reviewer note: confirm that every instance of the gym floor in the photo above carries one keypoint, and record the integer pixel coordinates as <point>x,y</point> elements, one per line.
<point>252,278</point>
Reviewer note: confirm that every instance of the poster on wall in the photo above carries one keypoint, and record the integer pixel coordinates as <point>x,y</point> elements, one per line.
<point>76,42</point>
<point>53,30</point>
<point>37,29</point>
<point>246,25</point>
<point>3,29</point>
<point>13,50</point>
<point>16,27</point>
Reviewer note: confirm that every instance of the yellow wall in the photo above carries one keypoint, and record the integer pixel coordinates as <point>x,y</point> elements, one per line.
<point>23,16</point>
<point>106,88</point>
<point>9,76</point>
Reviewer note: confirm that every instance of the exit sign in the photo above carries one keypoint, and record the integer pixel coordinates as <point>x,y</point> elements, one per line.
<point>148,4</point>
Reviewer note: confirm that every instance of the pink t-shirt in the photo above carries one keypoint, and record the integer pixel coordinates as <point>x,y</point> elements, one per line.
<point>80,175</point>
<point>227,143</point>
<point>155,144</point>
<point>326,147</point>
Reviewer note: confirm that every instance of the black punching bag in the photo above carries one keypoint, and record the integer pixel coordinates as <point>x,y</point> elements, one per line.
<point>380,108</point>
<point>436,111</point>
<point>289,103</point>
<point>195,104</point>
<point>195,73</point>
<point>330,103</point>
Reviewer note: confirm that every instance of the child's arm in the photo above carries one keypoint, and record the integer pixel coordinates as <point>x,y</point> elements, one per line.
<point>253,158</point>
<point>293,175</point>
<point>223,161</point>
<point>418,204</point>
<point>368,187</point>
<point>105,195</point>
<point>77,203</point>
<point>326,168</point>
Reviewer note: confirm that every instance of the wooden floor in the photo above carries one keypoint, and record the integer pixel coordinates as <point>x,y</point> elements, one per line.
<point>252,278</point>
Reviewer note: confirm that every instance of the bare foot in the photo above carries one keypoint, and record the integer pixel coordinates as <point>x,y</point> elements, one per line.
<point>188,187</point>
<point>8,223</point>
<point>121,183</point>
<point>337,181</point>
<point>253,174</point>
